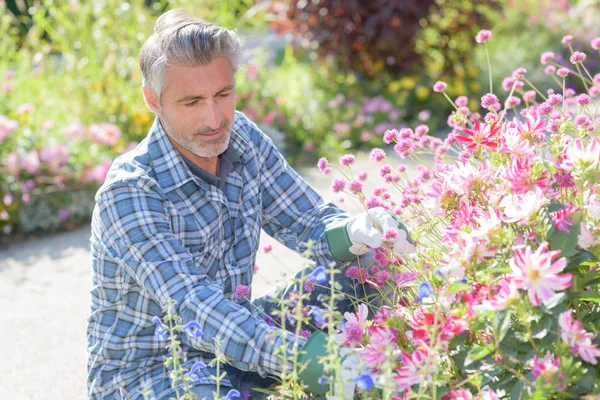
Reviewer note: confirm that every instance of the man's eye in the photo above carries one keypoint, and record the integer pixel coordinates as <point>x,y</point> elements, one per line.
<point>190,104</point>
<point>224,95</point>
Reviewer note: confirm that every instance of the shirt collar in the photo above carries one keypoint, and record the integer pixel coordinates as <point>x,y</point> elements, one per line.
<point>171,170</point>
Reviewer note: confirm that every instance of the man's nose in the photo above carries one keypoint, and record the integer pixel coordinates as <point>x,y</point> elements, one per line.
<point>213,116</point>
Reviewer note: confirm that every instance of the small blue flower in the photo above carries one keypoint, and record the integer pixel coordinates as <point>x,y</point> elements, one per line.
<point>323,380</point>
<point>232,393</point>
<point>318,275</point>
<point>160,332</point>
<point>193,371</point>
<point>318,317</point>
<point>365,382</point>
<point>463,280</point>
<point>423,291</point>
<point>192,328</point>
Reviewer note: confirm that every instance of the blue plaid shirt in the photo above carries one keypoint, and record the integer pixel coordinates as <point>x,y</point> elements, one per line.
<point>159,232</point>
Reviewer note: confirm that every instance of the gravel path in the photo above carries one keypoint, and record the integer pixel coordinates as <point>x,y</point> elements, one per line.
<point>44,298</point>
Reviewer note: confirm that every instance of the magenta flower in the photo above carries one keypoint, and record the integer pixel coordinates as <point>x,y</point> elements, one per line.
<point>355,187</point>
<point>563,72</point>
<point>595,43</point>
<point>347,159</point>
<point>537,272</point>
<point>267,249</point>
<point>480,135</point>
<point>377,155</point>
<point>502,299</point>
<point>566,39</point>
<point>416,368</point>
<point>577,57</point>
<point>573,334</point>
<point>382,339</point>
<point>338,185</point>
<point>241,291</point>
<point>489,101</point>
<point>439,86</point>
<point>483,36</point>
<point>512,101</point>
<point>583,99</point>
<point>546,368</point>
<point>390,135</point>
<point>546,57</point>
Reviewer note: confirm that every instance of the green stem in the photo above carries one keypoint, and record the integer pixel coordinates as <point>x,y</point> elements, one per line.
<point>487,54</point>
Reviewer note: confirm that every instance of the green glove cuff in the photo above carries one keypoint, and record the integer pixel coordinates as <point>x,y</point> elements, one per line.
<point>314,348</point>
<point>338,240</point>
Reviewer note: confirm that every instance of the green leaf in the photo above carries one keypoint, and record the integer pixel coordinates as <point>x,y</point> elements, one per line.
<point>587,296</point>
<point>540,329</point>
<point>566,242</point>
<point>516,392</point>
<point>478,352</point>
<point>501,323</point>
<point>583,257</point>
<point>555,206</point>
<point>457,287</point>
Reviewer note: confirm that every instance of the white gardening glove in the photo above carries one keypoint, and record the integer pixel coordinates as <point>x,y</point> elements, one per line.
<point>368,231</point>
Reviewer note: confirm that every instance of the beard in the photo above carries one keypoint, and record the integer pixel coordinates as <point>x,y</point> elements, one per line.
<point>196,144</point>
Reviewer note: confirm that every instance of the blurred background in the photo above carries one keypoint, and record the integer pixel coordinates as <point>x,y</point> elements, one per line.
<point>322,77</point>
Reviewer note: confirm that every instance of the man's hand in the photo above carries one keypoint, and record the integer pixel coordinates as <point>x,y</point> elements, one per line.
<point>370,230</point>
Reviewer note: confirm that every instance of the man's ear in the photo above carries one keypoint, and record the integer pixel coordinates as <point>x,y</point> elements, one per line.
<point>151,100</point>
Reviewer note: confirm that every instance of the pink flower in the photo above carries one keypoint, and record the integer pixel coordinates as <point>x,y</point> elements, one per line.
<point>537,272</point>
<point>267,249</point>
<point>404,147</point>
<point>480,135</point>
<point>563,72</point>
<point>567,39</point>
<point>521,207</point>
<point>416,368</point>
<point>573,334</point>
<point>74,131</point>
<point>377,155</point>
<point>25,109</point>
<point>461,101</point>
<point>502,299</point>
<point>583,99</point>
<point>354,327</point>
<point>322,165</point>
<point>251,72</point>
<point>579,156</point>
<point>98,173</point>
<point>439,86</point>
<point>577,57</point>
<point>483,36</point>
<point>381,340</point>
<point>512,101</point>
<point>550,69</point>
<point>355,187</point>
<point>105,134</point>
<point>489,101</point>
<point>338,185</point>
<point>362,176</point>
<point>519,73</point>
<point>30,162</point>
<point>546,57</point>
<point>546,368</point>
<point>595,43</point>
<point>7,127</point>
<point>347,159</point>
<point>390,135</point>
<point>561,222</point>
<point>241,291</point>
<point>555,99</point>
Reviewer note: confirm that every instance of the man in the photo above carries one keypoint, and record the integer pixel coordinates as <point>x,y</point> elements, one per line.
<point>180,216</point>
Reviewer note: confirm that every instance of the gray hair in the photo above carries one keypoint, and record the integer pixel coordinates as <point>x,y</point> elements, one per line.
<point>186,41</point>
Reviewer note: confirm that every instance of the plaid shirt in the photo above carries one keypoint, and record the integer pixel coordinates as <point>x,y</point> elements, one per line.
<point>159,233</point>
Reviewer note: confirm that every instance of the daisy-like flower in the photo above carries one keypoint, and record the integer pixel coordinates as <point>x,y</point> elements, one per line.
<point>513,143</point>
<point>417,367</point>
<point>545,368</point>
<point>537,272</point>
<point>580,157</point>
<point>480,135</point>
<point>440,86</point>
<point>521,207</point>
<point>502,299</point>
<point>483,36</point>
<point>577,57</point>
<point>381,340</point>
<point>354,327</point>
<point>573,334</point>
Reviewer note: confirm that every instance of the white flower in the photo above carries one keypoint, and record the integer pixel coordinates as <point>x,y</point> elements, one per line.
<point>585,239</point>
<point>522,207</point>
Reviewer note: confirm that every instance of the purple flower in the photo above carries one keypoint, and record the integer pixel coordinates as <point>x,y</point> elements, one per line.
<point>241,291</point>
<point>160,332</point>
<point>193,371</point>
<point>347,159</point>
<point>192,328</point>
<point>577,57</point>
<point>424,290</point>
<point>365,382</point>
<point>483,36</point>
<point>318,275</point>
<point>439,86</point>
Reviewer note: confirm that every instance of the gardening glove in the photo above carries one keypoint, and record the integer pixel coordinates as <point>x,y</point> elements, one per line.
<point>314,348</point>
<point>358,235</point>
<point>311,352</point>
